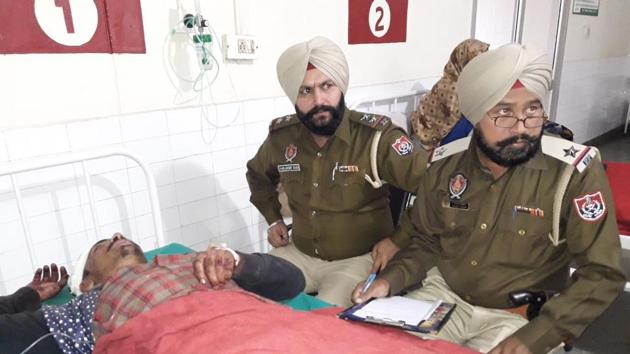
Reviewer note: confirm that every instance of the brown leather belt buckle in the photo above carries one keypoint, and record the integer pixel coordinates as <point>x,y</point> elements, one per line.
<point>521,310</point>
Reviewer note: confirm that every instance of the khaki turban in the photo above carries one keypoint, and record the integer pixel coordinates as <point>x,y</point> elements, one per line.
<point>319,51</point>
<point>487,78</point>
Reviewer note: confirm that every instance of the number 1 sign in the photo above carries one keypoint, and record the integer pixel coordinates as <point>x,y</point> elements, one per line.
<point>377,21</point>
<point>71,26</point>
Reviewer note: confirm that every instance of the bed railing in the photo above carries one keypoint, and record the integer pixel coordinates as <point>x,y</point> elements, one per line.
<point>13,169</point>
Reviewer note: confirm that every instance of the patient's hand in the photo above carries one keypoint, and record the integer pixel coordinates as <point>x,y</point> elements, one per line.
<point>215,267</point>
<point>49,281</point>
<point>379,288</point>
<point>382,252</point>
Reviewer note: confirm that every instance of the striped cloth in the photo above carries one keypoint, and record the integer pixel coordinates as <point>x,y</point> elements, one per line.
<point>134,290</point>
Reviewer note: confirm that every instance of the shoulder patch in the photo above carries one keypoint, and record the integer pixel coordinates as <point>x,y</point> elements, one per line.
<point>449,149</point>
<point>374,121</point>
<point>282,122</point>
<point>590,207</point>
<point>580,156</point>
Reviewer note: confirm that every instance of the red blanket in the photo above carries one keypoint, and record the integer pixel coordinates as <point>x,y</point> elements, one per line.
<point>236,322</point>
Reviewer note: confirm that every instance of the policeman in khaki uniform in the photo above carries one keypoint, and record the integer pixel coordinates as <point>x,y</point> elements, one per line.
<point>330,161</point>
<point>505,211</point>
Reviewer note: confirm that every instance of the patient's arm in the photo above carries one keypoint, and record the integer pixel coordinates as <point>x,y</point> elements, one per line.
<point>46,283</point>
<point>263,274</point>
<point>49,281</point>
<point>269,276</point>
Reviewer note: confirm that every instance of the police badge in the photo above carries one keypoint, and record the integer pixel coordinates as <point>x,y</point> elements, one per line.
<point>456,186</point>
<point>590,207</point>
<point>290,152</point>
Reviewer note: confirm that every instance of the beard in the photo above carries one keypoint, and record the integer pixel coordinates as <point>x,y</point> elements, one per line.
<point>327,129</point>
<point>506,155</point>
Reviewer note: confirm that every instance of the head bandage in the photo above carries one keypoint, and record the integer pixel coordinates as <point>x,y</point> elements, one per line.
<point>77,275</point>
<point>323,54</point>
<point>487,78</point>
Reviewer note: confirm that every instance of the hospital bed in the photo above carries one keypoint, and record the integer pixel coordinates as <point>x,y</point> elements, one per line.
<point>57,206</point>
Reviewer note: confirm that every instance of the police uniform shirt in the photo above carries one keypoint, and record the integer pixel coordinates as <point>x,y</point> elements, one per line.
<point>337,214</point>
<point>491,237</point>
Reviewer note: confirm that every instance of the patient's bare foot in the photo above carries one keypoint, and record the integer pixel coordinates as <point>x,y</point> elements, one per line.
<point>49,281</point>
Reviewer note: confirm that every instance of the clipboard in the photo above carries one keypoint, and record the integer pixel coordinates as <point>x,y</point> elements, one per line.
<point>431,325</point>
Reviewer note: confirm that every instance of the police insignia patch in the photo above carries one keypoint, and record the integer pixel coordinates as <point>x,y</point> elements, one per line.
<point>456,186</point>
<point>290,152</point>
<point>368,118</point>
<point>590,207</point>
<point>403,146</point>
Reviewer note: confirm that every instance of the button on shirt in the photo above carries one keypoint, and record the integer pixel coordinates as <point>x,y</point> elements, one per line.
<point>337,214</point>
<point>75,320</point>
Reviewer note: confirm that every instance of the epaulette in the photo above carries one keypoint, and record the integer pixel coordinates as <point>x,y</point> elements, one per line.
<point>374,121</point>
<point>282,122</point>
<point>580,156</point>
<point>449,149</point>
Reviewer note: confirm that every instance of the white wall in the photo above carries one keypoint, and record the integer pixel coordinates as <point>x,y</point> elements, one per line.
<point>80,86</point>
<point>494,21</point>
<point>595,85</point>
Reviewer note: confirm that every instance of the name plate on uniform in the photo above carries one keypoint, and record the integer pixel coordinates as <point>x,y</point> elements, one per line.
<point>290,167</point>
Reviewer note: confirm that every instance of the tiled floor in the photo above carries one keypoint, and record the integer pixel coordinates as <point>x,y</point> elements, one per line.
<point>617,148</point>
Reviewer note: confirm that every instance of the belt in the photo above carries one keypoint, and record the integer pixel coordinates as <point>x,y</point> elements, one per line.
<point>521,310</point>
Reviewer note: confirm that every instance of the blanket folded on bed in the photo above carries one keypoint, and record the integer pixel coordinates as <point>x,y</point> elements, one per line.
<point>238,322</point>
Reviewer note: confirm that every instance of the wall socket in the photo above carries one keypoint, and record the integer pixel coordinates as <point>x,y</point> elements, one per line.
<point>238,46</point>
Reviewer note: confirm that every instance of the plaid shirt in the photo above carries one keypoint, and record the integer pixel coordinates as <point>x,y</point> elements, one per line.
<point>134,290</point>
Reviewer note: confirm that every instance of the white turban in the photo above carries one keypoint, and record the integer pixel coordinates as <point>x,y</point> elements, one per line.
<point>77,274</point>
<point>319,51</point>
<point>487,78</point>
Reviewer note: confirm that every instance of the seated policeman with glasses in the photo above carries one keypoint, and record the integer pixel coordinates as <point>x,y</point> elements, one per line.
<point>504,213</point>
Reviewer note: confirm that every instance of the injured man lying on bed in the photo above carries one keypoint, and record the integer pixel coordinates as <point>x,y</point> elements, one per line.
<point>118,284</point>
<point>170,306</point>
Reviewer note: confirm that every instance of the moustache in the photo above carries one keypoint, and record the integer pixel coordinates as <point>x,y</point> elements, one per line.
<point>320,109</point>
<point>527,138</point>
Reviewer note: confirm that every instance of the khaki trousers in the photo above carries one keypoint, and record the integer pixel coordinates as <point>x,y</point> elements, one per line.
<point>332,280</point>
<point>476,327</point>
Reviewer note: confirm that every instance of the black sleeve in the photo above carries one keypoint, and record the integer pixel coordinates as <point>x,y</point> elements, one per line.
<point>25,299</point>
<point>269,276</point>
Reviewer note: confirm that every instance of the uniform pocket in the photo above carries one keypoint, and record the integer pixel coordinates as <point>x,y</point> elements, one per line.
<point>349,190</point>
<point>456,225</point>
<point>527,239</point>
<point>292,183</point>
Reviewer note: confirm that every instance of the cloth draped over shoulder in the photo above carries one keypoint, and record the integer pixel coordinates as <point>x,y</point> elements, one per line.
<point>438,111</point>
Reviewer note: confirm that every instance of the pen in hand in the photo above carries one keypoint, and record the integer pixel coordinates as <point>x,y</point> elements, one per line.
<point>368,282</point>
<point>288,237</point>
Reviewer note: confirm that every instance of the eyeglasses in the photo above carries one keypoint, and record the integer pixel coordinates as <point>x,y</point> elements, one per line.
<point>528,122</point>
<point>506,118</point>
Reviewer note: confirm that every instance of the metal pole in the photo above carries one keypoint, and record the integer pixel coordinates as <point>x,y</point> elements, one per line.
<point>558,56</point>
<point>473,19</point>
<point>517,24</point>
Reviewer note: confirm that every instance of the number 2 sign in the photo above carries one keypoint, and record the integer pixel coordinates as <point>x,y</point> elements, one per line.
<point>377,21</point>
<point>71,26</point>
